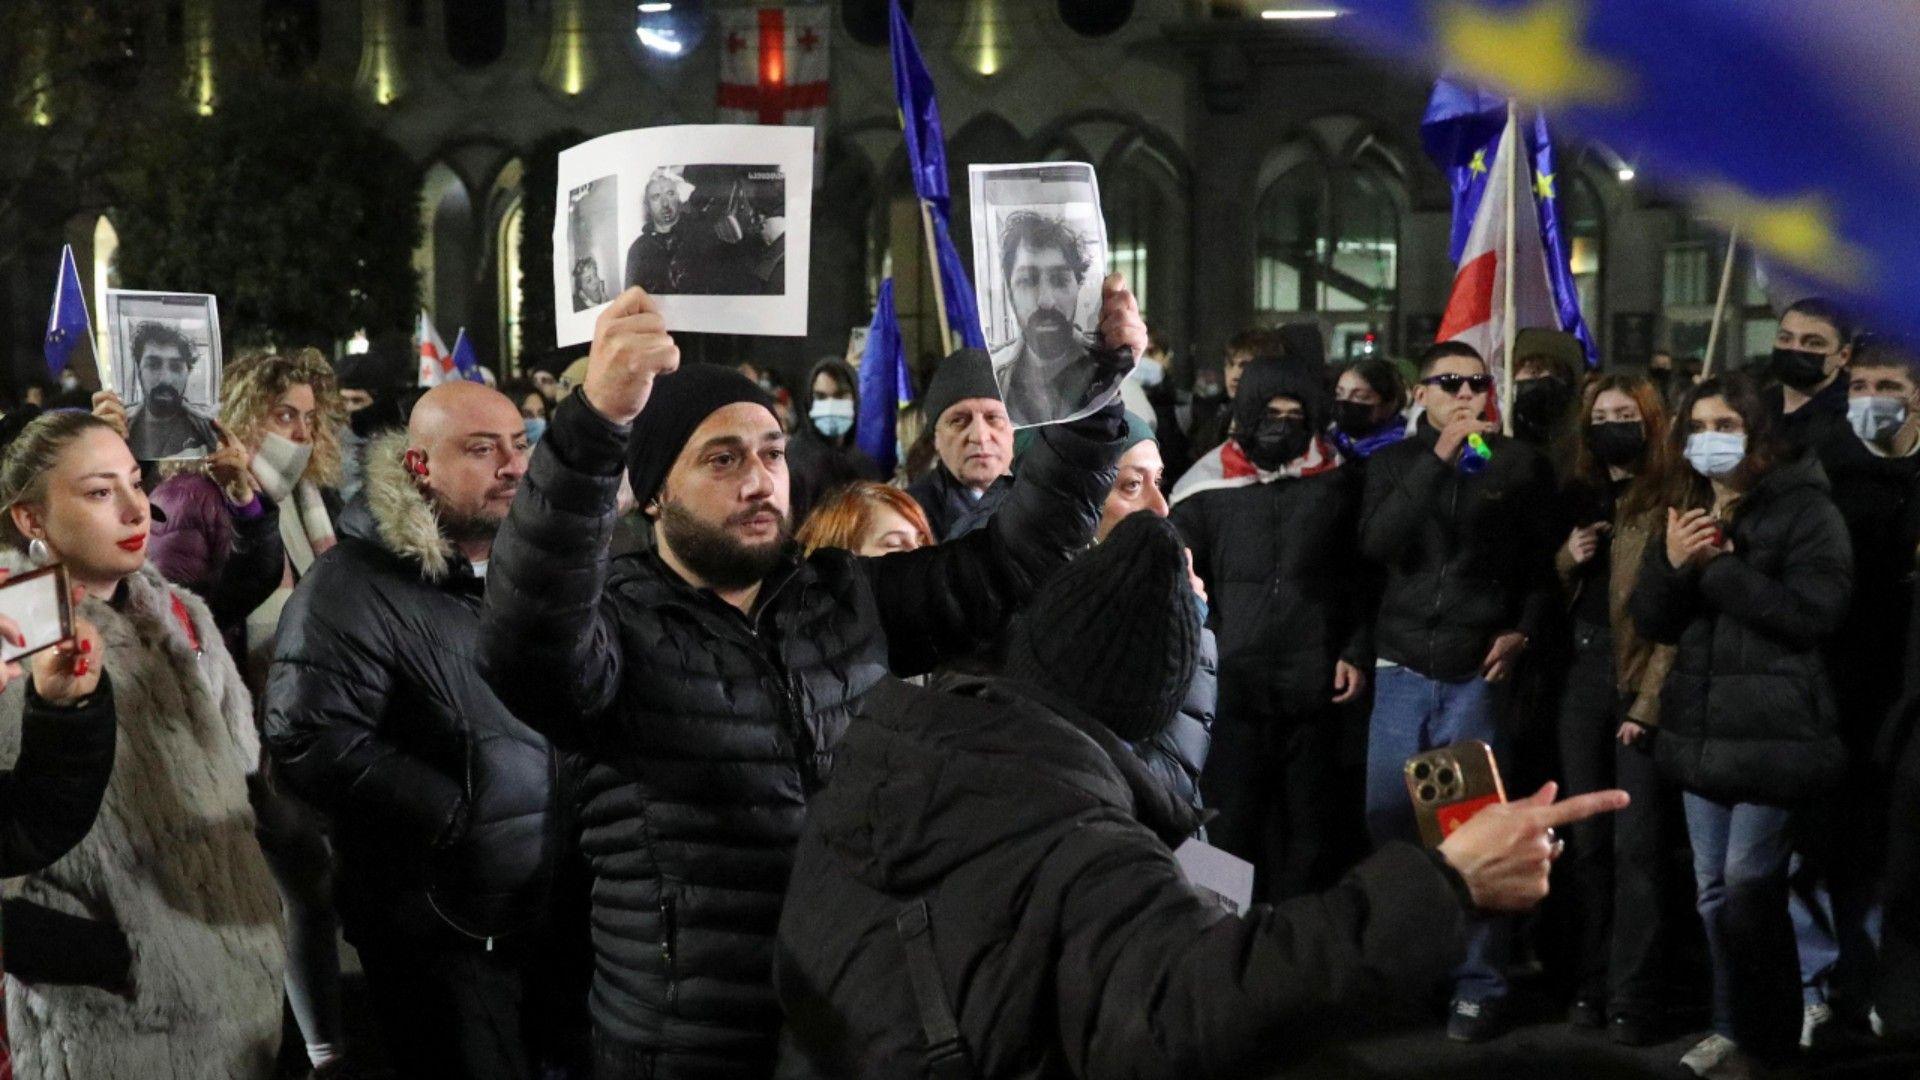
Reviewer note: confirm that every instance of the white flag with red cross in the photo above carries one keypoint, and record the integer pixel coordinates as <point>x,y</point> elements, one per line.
<point>436,363</point>
<point>773,65</point>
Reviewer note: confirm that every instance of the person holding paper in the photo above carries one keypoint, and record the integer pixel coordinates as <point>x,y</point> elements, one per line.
<point>990,876</point>
<point>169,955</point>
<point>706,683</point>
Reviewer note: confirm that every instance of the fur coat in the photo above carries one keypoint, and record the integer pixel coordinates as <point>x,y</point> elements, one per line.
<point>172,861</point>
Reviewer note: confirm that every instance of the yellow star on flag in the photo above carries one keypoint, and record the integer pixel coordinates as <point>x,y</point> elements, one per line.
<point>1797,229</point>
<point>1533,51</point>
<point>1479,162</point>
<point>1543,184</point>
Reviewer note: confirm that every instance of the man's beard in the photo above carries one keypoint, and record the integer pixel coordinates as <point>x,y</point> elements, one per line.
<point>1049,334</point>
<point>471,527</point>
<point>166,400</point>
<point>713,554</point>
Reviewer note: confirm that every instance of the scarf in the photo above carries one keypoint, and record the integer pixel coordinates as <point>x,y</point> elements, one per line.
<point>1226,466</point>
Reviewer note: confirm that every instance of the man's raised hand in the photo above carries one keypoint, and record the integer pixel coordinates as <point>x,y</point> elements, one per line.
<point>1506,851</point>
<point>631,347</point>
<point>1121,326</point>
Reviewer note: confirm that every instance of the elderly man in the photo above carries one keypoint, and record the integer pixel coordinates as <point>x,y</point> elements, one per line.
<point>444,807</point>
<point>707,682</point>
<point>973,441</point>
<point>165,424</point>
<point>1050,371</point>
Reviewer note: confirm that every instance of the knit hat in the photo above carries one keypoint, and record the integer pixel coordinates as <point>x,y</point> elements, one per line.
<point>680,403</point>
<point>1268,378</point>
<point>968,373</point>
<point>1116,632</point>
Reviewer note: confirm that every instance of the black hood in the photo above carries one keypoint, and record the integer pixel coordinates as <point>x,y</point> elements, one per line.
<point>803,417</point>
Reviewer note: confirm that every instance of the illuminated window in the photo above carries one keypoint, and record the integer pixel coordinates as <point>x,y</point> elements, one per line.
<point>1329,244</point>
<point>510,285</point>
<point>1132,208</point>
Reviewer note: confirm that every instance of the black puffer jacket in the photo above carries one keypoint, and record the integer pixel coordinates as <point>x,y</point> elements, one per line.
<point>1178,755</point>
<point>446,810</point>
<point>1747,714</point>
<point>1288,590</point>
<point>817,464</point>
<point>1466,557</point>
<point>1065,940</point>
<point>706,731</point>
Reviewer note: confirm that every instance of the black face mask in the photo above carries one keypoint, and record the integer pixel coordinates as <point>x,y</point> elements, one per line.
<point>1538,405</point>
<point>1355,418</point>
<point>1798,368</point>
<point>1617,443</point>
<point>1275,442</point>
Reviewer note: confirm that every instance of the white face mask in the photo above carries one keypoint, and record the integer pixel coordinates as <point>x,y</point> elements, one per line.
<point>1714,454</point>
<point>279,464</point>
<point>1150,372</point>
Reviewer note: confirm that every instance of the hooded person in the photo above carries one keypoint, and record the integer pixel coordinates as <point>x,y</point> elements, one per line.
<point>988,888</point>
<point>1276,545</point>
<point>973,443</point>
<point>822,456</point>
<point>706,683</point>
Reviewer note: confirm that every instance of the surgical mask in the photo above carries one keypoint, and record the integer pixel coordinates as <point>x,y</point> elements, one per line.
<point>832,417</point>
<point>279,464</point>
<point>536,427</point>
<point>1150,373</point>
<point>1275,442</point>
<point>1798,368</point>
<point>69,382</point>
<point>1714,454</point>
<point>1618,443</point>
<point>1355,418</point>
<point>1876,419</point>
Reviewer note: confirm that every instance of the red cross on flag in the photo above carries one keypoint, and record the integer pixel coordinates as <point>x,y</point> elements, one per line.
<point>773,65</point>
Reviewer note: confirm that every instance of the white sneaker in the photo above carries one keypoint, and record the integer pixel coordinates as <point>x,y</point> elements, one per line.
<point>1878,1025</point>
<point>1812,1019</point>
<point>1710,1055</point>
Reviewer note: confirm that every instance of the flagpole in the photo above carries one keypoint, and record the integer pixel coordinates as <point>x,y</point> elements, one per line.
<point>1720,305</point>
<point>939,286</point>
<point>1508,330</point>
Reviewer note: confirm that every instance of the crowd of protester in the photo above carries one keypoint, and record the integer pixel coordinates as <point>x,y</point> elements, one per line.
<point>631,723</point>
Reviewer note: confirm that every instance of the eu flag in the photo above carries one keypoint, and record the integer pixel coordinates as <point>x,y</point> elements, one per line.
<point>1789,121</point>
<point>465,360</point>
<point>927,161</point>
<point>884,383</point>
<point>67,325</point>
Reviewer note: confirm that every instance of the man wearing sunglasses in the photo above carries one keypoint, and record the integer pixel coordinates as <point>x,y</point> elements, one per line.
<point>1467,557</point>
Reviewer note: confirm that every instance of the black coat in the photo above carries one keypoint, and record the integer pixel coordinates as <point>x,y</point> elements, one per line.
<point>1747,714</point>
<point>1067,942</point>
<point>1822,418</point>
<point>49,798</point>
<point>1286,587</point>
<point>1465,558</point>
<point>816,464</point>
<point>1178,755</point>
<point>706,731</point>
<point>446,810</point>
<point>952,512</point>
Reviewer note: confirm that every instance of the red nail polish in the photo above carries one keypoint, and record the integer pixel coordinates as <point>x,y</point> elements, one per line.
<point>79,667</point>
<point>86,646</point>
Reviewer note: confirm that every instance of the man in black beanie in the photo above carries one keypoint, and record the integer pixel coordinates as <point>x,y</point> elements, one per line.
<point>987,889</point>
<point>973,439</point>
<point>706,683</point>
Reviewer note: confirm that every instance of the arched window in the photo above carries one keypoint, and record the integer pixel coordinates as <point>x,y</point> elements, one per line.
<point>445,258</point>
<point>106,275</point>
<point>1133,209</point>
<point>1582,217</point>
<point>290,31</point>
<point>1328,248</point>
<point>1095,18</point>
<point>476,31</point>
<point>510,287</point>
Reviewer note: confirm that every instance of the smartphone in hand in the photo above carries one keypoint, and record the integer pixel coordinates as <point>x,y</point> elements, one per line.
<point>41,604</point>
<point>1450,785</point>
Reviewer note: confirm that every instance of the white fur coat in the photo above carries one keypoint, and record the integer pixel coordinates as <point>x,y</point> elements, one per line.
<point>172,861</point>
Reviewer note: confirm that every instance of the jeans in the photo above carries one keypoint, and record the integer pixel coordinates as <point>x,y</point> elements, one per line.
<point>1740,854</point>
<point>1413,714</point>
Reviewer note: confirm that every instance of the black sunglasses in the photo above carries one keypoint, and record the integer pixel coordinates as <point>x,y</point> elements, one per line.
<point>1451,384</point>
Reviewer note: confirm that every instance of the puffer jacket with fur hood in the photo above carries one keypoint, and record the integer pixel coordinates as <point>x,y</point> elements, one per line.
<point>171,861</point>
<point>445,808</point>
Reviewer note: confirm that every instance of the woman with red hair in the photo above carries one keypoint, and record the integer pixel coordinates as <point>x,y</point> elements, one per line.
<point>867,518</point>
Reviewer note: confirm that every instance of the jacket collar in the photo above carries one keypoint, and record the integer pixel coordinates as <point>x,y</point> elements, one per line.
<point>393,513</point>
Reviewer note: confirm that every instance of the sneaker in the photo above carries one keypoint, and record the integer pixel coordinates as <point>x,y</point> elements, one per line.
<point>1709,1055</point>
<point>1875,1024</point>
<point>1474,1021</point>
<point>1587,1013</point>
<point>1813,1018</point>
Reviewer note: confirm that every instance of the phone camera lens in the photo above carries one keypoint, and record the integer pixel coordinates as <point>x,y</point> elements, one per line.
<point>1446,777</point>
<point>1422,770</point>
<point>1428,793</point>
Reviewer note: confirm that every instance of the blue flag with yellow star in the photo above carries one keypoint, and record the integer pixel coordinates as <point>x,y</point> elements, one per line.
<point>1788,120</point>
<point>927,162</point>
<point>1462,125</point>
<point>67,325</point>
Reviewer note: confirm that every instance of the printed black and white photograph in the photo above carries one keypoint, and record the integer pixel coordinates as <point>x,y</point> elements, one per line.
<point>165,350</point>
<point>704,217</point>
<point>593,241</point>
<point>1040,252</point>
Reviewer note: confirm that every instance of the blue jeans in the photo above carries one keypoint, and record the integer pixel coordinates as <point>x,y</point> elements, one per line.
<point>1413,714</point>
<point>1819,924</point>
<point>1740,854</point>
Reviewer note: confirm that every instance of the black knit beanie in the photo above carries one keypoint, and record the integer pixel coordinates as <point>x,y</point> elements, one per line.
<point>680,403</point>
<point>968,373</point>
<point>1116,632</point>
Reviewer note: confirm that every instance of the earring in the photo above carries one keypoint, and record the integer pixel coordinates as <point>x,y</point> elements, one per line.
<point>39,553</point>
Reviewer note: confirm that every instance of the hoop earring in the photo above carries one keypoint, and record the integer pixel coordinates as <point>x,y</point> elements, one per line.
<point>38,552</point>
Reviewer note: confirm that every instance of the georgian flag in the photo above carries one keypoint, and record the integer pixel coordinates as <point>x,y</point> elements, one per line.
<point>773,65</point>
<point>1476,308</point>
<point>1226,466</point>
<point>436,363</point>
